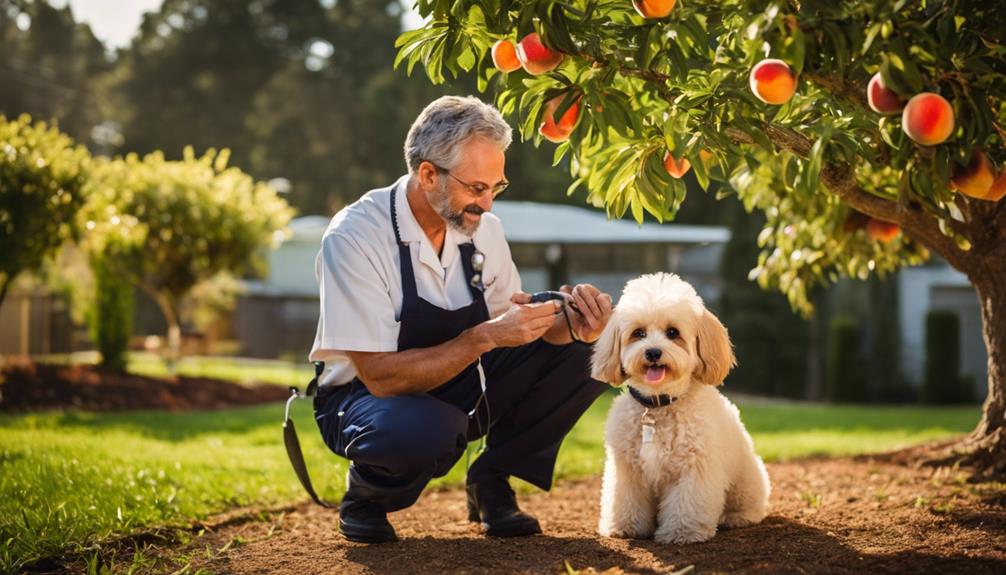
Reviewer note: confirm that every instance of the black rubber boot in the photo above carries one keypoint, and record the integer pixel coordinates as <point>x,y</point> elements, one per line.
<point>494,504</point>
<point>365,522</point>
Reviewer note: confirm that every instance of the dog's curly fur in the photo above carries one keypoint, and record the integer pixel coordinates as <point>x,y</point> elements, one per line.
<point>700,469</point>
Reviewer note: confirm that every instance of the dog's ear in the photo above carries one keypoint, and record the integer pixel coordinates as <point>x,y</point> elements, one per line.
<point>606,362</point>
<point>716,353</point>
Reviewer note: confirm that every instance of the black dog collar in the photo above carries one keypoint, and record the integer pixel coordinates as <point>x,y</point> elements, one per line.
<point>650,401</point>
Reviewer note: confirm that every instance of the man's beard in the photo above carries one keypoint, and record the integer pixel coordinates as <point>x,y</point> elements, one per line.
<point>441,202</point>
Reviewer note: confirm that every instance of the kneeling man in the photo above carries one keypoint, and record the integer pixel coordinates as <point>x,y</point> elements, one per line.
<point>431,341</point>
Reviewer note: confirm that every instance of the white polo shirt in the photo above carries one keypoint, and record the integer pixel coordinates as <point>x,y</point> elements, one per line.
<point>360,282</point>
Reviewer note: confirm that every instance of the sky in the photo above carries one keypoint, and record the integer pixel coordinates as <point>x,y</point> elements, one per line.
<point>115,22</point>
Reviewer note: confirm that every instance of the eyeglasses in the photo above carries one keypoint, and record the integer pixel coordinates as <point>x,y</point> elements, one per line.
<point>477,189</point>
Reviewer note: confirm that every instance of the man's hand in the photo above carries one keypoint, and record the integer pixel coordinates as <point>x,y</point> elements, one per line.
<point>595,310</point>
<point>523,322</point>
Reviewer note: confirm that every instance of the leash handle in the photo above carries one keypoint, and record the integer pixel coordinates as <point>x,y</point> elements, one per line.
<point>292,443</point>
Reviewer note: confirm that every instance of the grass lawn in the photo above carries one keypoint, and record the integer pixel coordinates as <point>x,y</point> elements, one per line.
<point>70,479</point>
<point>239,369</point>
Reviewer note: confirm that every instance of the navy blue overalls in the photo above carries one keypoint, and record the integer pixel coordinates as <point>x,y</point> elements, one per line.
<point>535,393</point>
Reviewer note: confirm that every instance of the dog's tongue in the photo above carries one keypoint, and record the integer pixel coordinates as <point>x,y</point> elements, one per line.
<point>654,374</point>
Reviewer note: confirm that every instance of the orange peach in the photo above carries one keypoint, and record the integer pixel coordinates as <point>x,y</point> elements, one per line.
<point>928,119</point>
<point>505,56</point>
<point>535,57</point>
<point>676,168</point>
<point>882,99</point>
<point>559,131</point>
<point>773,81</point>
<point>975,179</point>
<point>882,231</point>
<point>653,8</point>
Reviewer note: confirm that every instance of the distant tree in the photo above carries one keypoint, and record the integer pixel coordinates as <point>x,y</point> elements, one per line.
<point>166,226</point>
<point>49,65</point>
<point>42,175</point>
<point>192,73</point>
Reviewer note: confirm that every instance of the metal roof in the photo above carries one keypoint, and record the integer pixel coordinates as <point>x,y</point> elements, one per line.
<point>534,222</point>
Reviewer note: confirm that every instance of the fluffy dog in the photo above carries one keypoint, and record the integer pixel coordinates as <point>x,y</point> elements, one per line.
<point>679,467</point>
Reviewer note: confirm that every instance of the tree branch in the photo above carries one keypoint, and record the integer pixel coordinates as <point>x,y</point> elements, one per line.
<point>838,178</point>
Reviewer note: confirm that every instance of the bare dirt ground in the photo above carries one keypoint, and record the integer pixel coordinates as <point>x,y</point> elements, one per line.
<point>828,516</point>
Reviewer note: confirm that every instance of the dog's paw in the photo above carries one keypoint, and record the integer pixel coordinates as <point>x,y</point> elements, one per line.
<point>684,536</point>
<point>621,532</point>
<point>737,520</point>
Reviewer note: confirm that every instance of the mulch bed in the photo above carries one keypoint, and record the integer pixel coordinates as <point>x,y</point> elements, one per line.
<point>27,386</point>
<point>848,516</point>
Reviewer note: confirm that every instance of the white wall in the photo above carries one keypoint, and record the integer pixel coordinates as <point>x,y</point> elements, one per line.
<point>940,287</point>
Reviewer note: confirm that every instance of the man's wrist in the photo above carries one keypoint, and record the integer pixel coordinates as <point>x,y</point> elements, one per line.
<point>481,338</point>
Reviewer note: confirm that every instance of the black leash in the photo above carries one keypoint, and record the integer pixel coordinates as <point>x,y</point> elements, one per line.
<point>293,450</point>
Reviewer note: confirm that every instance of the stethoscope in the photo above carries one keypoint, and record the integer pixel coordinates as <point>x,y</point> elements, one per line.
<point>478,260</point>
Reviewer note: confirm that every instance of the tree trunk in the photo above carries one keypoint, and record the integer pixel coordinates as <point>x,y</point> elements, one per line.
<point>985,449</point>
<point>169,309</point>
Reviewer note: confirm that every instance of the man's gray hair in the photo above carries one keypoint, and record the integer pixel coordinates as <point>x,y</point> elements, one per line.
<point>448,122</point>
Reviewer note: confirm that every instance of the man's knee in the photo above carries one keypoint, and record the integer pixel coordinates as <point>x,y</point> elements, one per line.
<point>417,433</point>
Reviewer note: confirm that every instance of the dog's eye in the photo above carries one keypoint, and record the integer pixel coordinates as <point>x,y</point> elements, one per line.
<point>639,333</point>
<point>672,333</point>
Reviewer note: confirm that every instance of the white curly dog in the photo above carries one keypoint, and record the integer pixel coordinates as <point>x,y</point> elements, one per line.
<point>679,461</point>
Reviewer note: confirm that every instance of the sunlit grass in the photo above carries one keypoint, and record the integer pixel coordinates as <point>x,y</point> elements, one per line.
<point>236,369</point>
<point>68,479</point>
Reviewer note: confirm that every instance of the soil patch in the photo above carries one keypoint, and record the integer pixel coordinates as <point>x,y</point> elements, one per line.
<point>849,516</point>
<point>27,386</point>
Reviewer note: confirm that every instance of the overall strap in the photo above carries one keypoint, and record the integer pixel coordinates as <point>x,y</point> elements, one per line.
<point>409,293</point>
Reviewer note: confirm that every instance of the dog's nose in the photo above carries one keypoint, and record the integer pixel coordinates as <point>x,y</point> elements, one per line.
<point>652,354</point>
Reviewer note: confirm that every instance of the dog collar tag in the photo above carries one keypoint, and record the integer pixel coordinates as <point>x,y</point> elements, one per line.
<point>648,428</point>
<point>647,433</point>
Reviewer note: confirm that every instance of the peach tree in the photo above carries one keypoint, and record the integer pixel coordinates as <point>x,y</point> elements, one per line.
<point>869,132</point>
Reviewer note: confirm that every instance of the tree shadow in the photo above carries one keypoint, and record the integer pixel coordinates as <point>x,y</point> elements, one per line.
<point>539,554</point>
<point>782,545</point>
<point>778,545</point>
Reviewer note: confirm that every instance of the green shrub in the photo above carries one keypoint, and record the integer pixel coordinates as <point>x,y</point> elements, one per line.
<point>111,317</point>
<point>843,375</point>
<point>942,382</point>
<point>42,173</point>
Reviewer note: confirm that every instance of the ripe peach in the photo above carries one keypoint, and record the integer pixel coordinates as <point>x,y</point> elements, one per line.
<point>559,131</point>
<point>882,99</point>
<point>505,56</point>
<point>881,230</point>
<point>976,179</point>
<point>773,81</point>
<point>676,168</point>
<point>535,57</point>
<point>928,119</point>
<point>653,8</point>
